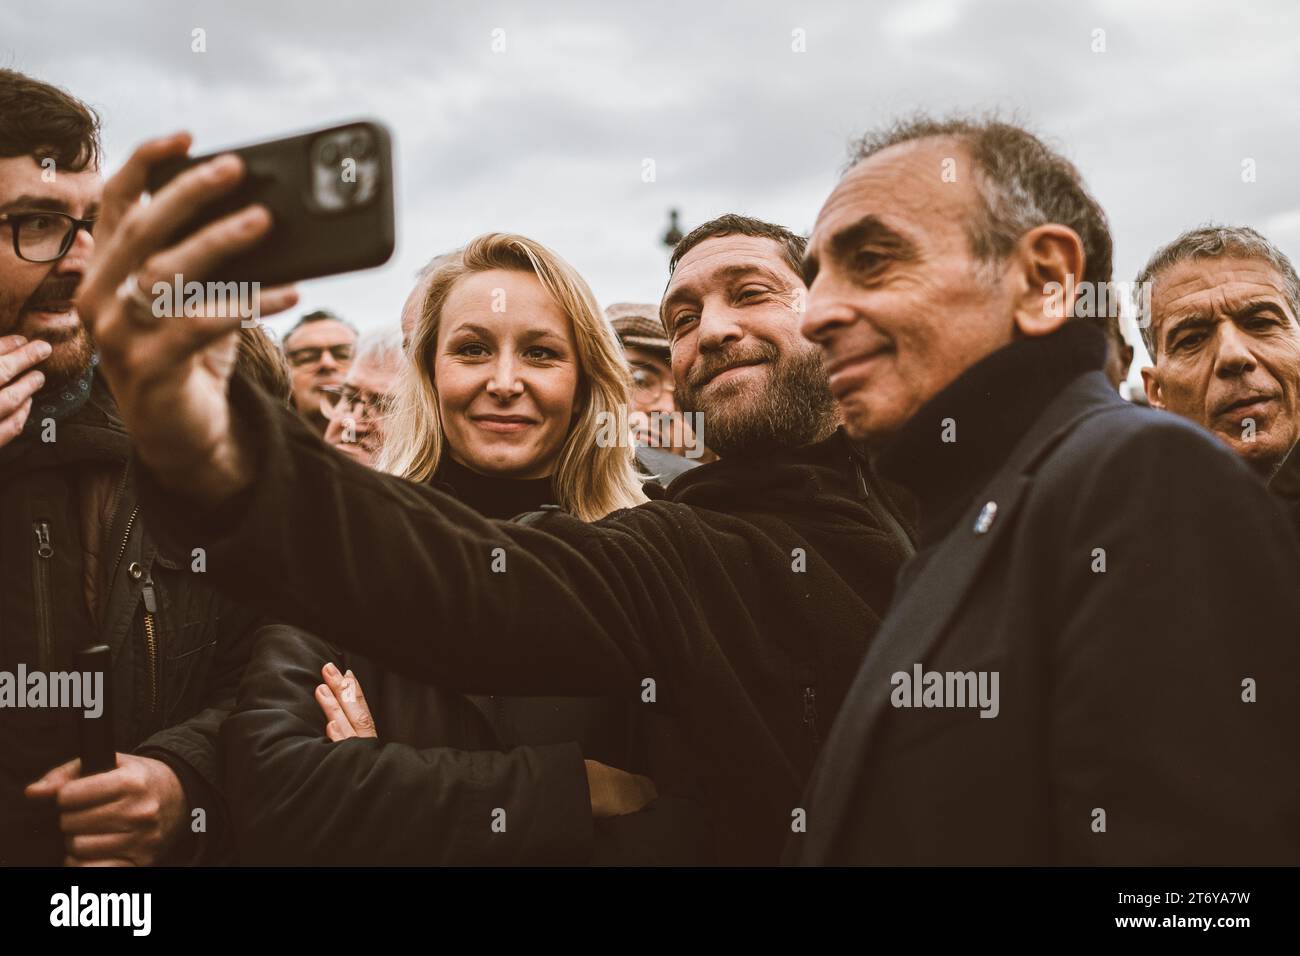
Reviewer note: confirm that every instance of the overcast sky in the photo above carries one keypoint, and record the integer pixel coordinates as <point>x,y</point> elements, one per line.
<point>548,136</point>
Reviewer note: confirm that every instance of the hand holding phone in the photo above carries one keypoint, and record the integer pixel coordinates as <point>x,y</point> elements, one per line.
<point>330,196</point>
<point>169,376</point>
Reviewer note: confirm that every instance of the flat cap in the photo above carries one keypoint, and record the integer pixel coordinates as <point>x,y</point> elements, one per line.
<point>637,324</point>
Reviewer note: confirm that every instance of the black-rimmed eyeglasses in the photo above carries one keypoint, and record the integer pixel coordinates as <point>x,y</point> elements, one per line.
<point>44,236</point>
<point>312,354</point>
<point>341,399</point>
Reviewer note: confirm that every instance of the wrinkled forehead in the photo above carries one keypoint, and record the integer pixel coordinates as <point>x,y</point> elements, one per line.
<point>23,177</point>
<point>1215,286</point>
<point>914,188</point>
<point>715,263</point>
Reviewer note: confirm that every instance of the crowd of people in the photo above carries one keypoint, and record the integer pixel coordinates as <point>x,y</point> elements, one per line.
<point>847,551</point>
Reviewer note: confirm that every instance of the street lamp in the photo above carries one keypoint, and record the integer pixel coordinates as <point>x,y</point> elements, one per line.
<point>674,233</point>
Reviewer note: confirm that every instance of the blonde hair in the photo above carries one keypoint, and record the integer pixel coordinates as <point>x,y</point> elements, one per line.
<point>589,480</point>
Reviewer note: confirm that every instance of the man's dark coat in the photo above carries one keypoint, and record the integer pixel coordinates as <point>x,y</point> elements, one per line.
<point>1134,587</point>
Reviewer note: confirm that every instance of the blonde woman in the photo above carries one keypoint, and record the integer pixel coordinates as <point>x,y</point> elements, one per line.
<point>513,374</point>
<point>509,369</point>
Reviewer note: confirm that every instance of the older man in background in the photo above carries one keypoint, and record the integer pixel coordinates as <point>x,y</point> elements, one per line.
<point>1225,341</point>
<point>660,431</point>
<point>319,349</point>
<point>356,409</point>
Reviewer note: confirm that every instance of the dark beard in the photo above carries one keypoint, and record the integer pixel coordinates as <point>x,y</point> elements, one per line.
<point>795,409</point>
<point>69,360</point>
<point>71,350</point>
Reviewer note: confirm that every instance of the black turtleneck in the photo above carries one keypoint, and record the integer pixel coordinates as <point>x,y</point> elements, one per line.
<point>493,496</point>
<point>993,403</point>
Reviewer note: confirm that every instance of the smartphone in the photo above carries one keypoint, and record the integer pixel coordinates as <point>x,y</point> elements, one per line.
<point>330,195</point>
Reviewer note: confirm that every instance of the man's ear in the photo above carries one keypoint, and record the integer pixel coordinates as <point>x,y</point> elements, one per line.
<point>1151,383</point>
<point>1048,263</point>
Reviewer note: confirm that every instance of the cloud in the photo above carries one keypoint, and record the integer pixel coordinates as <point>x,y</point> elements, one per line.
<point>548,135</point>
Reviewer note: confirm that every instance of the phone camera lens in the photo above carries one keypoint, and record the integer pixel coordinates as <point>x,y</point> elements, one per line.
<point>361,145</point>
<point>329,154</point>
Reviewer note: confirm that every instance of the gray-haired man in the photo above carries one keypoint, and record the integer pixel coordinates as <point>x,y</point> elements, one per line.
<point>1072,670</point>
<point>357,409</point>
<point>1225,342</point>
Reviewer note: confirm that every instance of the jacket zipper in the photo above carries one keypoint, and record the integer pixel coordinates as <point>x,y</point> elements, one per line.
<point>126,537</point>
<point>41,578</point>
<point>151,640</point>
<point>150,609</point>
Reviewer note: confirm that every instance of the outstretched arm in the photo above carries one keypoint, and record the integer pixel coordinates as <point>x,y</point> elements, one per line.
<point>295,529</point>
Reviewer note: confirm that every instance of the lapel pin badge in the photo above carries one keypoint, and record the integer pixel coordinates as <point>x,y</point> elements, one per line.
<point>986,516</point>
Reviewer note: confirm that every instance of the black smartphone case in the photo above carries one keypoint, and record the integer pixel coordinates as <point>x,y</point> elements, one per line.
<point>305,241</point>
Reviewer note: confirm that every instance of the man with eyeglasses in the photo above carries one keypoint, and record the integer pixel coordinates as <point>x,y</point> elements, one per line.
<point>319,349</point>
<point>78,560</point>
<point>356,409</point>
<point>48,204</point>
<point>660,433</point>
